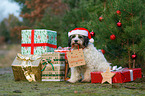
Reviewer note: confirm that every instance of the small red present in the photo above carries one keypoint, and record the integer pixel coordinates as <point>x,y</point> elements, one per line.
<point>62,50</point>
<point>121,76</point>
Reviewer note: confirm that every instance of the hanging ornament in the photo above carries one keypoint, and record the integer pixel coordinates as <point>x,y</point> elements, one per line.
<point>112,37</point>
<point>100,18</point>
<point>92,34</point>
<point>119,24</point>
<point>118,12</point>
<point>133,56</point>
<point>103,51</point>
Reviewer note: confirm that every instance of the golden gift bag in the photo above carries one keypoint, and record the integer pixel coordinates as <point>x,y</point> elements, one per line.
<point>27,67</point>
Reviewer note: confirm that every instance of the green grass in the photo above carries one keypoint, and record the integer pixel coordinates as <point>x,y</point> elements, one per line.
<point>9,87</point>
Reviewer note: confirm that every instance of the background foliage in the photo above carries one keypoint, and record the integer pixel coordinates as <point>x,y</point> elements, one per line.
<point>65,15</point>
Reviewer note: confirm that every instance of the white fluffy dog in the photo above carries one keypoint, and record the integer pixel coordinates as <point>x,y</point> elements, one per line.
<point>95,60</point>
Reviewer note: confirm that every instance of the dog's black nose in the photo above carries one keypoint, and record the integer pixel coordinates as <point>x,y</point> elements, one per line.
<point>76,41</point>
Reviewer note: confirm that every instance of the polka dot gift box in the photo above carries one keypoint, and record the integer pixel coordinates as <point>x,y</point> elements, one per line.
<point>38,41</point>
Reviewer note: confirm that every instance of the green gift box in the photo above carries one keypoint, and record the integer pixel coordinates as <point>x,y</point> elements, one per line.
<point>38,41</point>
<point>54,71</point>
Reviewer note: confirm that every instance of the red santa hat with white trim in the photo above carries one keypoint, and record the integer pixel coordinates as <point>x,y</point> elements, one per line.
<point>81,31</point>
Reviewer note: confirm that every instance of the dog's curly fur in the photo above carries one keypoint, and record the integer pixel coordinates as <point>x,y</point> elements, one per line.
<point>95,60</point>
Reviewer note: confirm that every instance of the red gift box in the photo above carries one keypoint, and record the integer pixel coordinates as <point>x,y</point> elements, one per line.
<point>63,50</point>
<point>124,75</point>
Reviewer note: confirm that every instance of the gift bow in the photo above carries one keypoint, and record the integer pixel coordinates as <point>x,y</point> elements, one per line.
<point>114,68</point>
<point>45,62</point>
<point>26,62</point>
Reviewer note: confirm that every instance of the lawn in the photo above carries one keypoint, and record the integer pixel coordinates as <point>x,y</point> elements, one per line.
<point>10,87</point>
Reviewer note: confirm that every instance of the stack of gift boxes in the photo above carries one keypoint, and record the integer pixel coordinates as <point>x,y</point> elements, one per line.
<point>40,61</point>
<point>39,43</point>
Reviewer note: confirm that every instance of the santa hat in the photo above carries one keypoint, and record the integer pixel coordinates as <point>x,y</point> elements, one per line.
<point>81,31</point>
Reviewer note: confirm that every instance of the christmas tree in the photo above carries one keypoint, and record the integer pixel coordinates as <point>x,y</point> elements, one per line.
<point>118,25</point>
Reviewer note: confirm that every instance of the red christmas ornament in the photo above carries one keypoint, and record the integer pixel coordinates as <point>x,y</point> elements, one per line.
<point>133,56</point>
<point>92,34</point>
<point>103,51</point>
<point>119,24</point>
<point>118,12</point>
<point>100,18</point>
<point>112,37</point>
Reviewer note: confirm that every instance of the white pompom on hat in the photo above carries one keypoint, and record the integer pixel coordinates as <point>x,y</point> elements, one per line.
<point>81,31</point>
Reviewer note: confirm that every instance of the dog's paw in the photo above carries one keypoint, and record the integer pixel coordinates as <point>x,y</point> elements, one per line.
<point>85,80</point>
<point>71,81</point>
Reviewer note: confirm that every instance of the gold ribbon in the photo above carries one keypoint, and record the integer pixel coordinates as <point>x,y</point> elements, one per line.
<point>27,62</point>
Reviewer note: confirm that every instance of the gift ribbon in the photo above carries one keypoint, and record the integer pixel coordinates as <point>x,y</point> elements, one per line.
<point>131,75</point>
<point>26,62</point>
<point>32,42</point>
<point>114,68</point>
<point>47,61</point>
<point>32,45</point>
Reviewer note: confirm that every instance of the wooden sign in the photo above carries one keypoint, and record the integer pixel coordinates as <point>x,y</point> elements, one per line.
<point>107,76</point>
<point>76,58</point>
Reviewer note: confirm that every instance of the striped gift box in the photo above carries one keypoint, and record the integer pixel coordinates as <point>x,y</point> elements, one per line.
<point>58,62</point>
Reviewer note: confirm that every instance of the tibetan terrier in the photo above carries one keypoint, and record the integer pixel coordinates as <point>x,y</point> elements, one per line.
<point>94,59</point>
